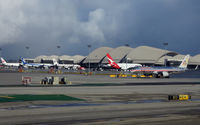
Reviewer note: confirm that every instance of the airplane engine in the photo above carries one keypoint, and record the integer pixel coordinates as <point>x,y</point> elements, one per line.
<point>46,67</point>
<point>165,74</point>
<point>161,74</point>
<point>155,75</point>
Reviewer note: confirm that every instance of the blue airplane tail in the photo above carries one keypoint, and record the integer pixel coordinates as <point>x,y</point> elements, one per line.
<point>23,61</point>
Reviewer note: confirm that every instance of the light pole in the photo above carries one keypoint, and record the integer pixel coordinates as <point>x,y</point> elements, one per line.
<point>165,46</point>
<point>0,51</point>
<point>89,46</point>
<point>27,48</point>
<point>58,47</point>
<point>127,45</point>
<point>127,61</point>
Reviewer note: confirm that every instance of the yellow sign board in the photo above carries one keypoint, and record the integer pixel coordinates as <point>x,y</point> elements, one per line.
<point>184,97</point>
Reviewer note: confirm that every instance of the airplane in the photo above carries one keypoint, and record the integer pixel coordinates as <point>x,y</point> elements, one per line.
<point>36,65</point>
<point>164,72</point>
<point>123,66</point>
<point>66,66</point>
<point>9,64</point>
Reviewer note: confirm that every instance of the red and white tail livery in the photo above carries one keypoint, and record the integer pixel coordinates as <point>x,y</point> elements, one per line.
<point>3,61</point>
<point>112,62</point>
<point>123,66</point>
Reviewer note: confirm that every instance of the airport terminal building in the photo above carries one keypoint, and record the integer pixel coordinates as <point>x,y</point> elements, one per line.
<point>145,55</point>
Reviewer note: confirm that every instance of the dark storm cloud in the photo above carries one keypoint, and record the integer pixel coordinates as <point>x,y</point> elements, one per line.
<point>73,24</point>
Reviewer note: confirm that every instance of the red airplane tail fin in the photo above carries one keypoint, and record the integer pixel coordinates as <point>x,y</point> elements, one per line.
<point>112,62</point>
<point>3,61</point>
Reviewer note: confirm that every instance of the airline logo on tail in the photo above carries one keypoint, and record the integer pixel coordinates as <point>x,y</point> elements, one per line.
<point>185,62</point>
<point>112,62</point>
<point>3,61</point>
<point>23,61</point>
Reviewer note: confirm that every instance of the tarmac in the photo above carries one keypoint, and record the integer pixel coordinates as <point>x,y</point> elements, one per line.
<point>125,101</point>
<point>15,78</point>
<point>108,105</point>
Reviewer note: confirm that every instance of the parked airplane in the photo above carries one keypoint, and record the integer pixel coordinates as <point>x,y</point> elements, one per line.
<point>9,64</point>
<point>162,71</point>
<point>123,66</point>
<point>66,66</point>
<point>36,65</point>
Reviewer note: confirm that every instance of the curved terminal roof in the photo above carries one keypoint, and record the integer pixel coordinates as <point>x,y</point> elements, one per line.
<point>192,61</point>
<point>161,60</point>
<point>118,53</point>
<point>39,58</point>
<point>141,54</point>
<point>197,57</point>
<point>195,60</point>
<point>97,55</point>
<point>77,58</point>
<point>146,54</point>
<point>65,57</point>
<point>178,57</point>
<point>50,57</point>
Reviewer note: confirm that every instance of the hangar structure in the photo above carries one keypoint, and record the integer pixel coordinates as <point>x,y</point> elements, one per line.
<point>95,58</point>
<point>64,59</point>
<point>145,55</point>
<point>119,54</point>
<point>148,55</point>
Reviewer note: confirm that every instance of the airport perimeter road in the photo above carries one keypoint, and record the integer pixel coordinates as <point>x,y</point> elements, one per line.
<point>163,113</point>
<point>144,89</point>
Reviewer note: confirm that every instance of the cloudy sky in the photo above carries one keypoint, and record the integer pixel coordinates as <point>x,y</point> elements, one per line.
<point>43,25</point>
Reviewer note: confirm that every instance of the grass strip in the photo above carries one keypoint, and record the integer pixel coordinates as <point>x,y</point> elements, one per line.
<point>26,97</point>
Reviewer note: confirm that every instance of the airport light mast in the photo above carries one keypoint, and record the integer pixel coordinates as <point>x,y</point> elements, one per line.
<point>58,47</point>
<point>89,46</point>
<point>127,45</point>
<point>27,48</point>
<point>0,51</point>
<point>165,47</point>
<point>127,61</point>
